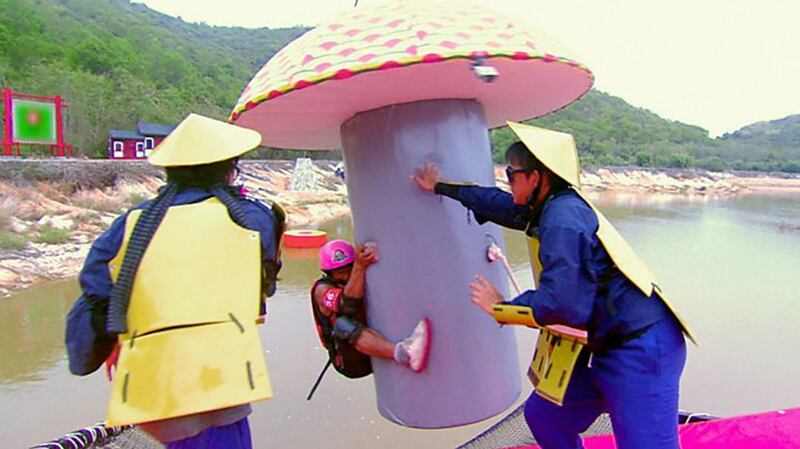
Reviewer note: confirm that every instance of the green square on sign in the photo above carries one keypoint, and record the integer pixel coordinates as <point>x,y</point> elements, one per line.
<point>34,121</point>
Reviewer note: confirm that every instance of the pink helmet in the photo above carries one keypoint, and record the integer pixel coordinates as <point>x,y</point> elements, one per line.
<point>336,254</point>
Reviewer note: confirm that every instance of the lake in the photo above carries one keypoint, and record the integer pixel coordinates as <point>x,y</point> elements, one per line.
<point>731,265</point>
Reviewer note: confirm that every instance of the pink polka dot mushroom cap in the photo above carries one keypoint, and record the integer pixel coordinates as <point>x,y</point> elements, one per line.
<point>401,52</point>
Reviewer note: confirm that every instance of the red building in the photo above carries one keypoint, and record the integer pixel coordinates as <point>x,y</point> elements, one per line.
<point>138,144</point>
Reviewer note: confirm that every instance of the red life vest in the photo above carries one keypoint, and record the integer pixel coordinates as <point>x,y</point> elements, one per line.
<point>343,355</point>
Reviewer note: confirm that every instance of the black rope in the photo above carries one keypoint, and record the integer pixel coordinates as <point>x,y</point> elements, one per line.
<point>319,379</point>
<point>234,202</point>
<point>143,233</point>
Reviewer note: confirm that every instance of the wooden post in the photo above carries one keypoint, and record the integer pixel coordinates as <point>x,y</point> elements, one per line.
<point>7,142</point>
<point>59,128</point>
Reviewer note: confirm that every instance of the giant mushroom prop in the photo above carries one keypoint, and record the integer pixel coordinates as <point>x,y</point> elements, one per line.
<point>396,86</point>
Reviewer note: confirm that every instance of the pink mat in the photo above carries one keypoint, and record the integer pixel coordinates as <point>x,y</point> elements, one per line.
<point>771,430</point>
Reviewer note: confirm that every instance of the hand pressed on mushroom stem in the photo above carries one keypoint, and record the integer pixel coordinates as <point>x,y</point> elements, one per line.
<point>483,294</point>
<point>426,176</point>
<point>366,254</point>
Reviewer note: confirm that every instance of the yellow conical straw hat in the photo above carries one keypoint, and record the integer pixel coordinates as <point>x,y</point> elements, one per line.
<point>553,149</point>
<point>201,140</point>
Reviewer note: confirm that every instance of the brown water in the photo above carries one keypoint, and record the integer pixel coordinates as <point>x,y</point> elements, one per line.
<point>732,266</point>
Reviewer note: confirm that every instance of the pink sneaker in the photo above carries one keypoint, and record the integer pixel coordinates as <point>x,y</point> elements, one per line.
<point>416,347</point>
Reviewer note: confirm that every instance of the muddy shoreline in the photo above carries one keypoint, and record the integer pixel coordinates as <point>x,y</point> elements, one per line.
<point>51,211</point>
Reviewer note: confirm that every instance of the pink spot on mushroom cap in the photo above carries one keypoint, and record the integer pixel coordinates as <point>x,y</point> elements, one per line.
<point>448,44</point>
<point>394,23</point>
<point>412,50</point>
<point>328,45</point>
<point>392,42</point>
<point>335,26</point>
<point>390,65</point>
<point>347,51</point>
<point>421,35</point>
<point>367,57</point>
<point>343,74</point>
<point>307,59</point>
<point>322,67</point>
<point>432,57</point>
<point>372,37</point>
<point>352,32</point>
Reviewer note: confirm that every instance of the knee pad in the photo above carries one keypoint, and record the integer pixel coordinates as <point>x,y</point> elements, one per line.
<point>347,329</point>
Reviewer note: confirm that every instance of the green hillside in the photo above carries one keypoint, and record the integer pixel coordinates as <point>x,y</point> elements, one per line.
<point>609,131</point>
<point>772,145</point>
<point>117,63</point>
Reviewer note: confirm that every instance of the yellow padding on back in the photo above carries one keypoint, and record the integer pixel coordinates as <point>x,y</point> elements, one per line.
<point>188,370</point>
<point>199,268</point>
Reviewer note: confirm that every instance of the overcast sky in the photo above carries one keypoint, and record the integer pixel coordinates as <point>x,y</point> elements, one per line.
<point>719,64</point>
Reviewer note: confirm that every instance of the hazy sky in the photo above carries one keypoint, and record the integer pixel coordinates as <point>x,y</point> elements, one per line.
<point>719,64</point>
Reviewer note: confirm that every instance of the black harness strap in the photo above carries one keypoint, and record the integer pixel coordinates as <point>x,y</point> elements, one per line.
<point>234,202</point>
<point>143,233</point>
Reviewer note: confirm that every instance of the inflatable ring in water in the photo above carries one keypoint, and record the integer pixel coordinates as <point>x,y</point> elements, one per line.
<point>304,238</point>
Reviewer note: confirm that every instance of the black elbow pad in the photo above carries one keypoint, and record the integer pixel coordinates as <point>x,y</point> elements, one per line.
<point>350,306</point>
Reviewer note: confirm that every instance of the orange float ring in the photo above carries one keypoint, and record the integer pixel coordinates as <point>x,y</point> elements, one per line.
<point>304,238</point>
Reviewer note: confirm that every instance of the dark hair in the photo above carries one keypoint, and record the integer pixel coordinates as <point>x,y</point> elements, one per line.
<point>519,154</point>
<point>201,176</point>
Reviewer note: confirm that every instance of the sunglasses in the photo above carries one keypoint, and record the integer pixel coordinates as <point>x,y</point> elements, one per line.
<point>510,172</point>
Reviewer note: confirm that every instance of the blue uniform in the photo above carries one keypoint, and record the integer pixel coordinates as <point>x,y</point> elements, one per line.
<point>637,346</point>
<point>227,428</point>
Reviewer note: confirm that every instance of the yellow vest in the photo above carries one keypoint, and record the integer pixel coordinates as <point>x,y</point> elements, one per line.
<point>624,258</point>
<point>192,344</point>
